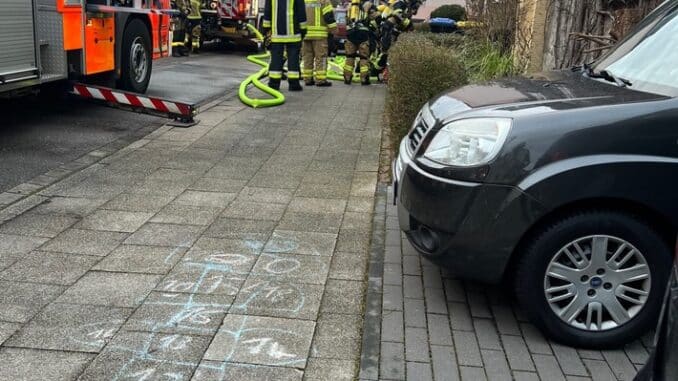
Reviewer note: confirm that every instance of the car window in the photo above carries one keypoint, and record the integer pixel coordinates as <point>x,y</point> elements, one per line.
<point>649,58</point>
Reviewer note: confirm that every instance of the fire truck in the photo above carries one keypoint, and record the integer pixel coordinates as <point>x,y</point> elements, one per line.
<point>115,41</point>
<point>227,20</point>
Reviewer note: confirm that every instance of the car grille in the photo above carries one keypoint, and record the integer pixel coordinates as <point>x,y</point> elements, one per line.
<point>417,135</point>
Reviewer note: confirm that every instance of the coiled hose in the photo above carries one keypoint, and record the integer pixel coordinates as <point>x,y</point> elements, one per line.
<point>254,79</point>
<point>334,72</point>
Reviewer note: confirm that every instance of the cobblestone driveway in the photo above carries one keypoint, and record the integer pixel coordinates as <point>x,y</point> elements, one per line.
<point>434,326</point>
<point>232,250</point>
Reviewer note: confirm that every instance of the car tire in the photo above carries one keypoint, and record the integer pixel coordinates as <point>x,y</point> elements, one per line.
<point>594,326</point>
<point>136,58</point>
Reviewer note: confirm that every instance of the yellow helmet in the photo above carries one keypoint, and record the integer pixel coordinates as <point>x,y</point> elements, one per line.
<point>381,7</point>
<point>391,2</point>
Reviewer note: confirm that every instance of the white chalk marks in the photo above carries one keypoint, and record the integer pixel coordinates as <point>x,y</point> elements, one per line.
<point>210,292</point>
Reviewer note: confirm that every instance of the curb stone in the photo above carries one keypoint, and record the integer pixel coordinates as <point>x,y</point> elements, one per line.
<point>369,358</point>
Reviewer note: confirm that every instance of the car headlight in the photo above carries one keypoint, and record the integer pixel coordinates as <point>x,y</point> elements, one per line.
<point>468,142</point>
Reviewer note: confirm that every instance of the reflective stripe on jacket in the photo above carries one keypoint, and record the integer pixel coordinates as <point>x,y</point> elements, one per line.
<point>195,10</point>
<point>286,19</point>
<point>320,18</point>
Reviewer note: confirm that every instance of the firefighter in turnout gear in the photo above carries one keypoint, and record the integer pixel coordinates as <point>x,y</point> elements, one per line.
<point>374,17</point>
<point>396,20</point>
<point>357,42</point>
<point>180,26</point>
<point>320,18</point>
<point>194,29</point>
<point>286,21</point>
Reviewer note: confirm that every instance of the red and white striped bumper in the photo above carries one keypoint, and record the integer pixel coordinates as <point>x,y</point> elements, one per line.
<point>171,108</point>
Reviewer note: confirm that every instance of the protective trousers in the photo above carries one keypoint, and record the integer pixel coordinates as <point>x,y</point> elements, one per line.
<point>315,57</point>
<point>193,34</point>
<point>196,33</point>
<point>352,51</point>
<point>276,66</point>
<point>179,35</point>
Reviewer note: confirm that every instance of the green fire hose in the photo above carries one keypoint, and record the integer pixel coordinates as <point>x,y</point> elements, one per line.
<point>334,72</point>
<point>254,79</point>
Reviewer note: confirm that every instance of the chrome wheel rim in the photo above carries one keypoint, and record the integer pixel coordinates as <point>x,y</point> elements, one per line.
<point>597,283</point>
<point>138,60</point>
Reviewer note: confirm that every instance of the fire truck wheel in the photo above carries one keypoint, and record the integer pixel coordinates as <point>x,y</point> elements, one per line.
<point>136,58</point>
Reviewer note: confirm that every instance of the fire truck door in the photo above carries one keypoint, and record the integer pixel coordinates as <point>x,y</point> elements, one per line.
<point>17,43</point>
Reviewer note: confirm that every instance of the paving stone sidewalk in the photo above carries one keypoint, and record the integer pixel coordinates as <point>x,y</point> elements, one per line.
<point>236,249</point>
<point>431,326</point>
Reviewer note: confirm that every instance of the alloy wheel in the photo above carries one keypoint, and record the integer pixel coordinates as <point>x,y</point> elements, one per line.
<point>597,283</point>
<point>139,59</point>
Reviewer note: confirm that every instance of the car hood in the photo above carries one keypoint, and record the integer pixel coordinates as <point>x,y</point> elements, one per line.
<point>542,92</point>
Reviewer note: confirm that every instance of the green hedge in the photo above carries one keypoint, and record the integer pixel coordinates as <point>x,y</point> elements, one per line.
<point>419,69</point>
<point>422,65</point>
<point>450,11</point>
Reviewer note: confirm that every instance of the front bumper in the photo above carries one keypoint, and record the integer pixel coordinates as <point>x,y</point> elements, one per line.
<point>470,228</point>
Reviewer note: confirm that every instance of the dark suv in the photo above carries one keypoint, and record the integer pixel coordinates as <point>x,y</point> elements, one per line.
<point>564,184</point>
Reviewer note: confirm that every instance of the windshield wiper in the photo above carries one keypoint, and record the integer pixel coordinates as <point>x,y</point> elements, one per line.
<point>606,75</point>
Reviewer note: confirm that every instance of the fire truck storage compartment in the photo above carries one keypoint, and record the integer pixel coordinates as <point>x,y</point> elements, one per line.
<point>17,41</point>
<point>99,43</point>
<point>52,56</point>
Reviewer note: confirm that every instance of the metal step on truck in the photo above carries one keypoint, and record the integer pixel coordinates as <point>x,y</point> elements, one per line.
<point>44,41</point>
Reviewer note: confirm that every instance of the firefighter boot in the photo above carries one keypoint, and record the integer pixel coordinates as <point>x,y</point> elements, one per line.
<point>295,85</point>
<point>365,82</point>
<point>324,83</point>
<point>274,83</point>
<point>310,82</point>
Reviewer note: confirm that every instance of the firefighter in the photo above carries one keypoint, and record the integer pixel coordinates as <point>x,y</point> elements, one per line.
<point>287,30</point>
<point>413,6</point>
<point>194,29</point>
<point>392,16</point>
<point>357,42</point>
<point>315,48</point>
<point>396,19</point>
<point>374,17</point>
<point>180,26</point>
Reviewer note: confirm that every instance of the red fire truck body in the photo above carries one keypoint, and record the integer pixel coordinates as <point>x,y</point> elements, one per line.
<point>226,20</point>
<point>55,40</point>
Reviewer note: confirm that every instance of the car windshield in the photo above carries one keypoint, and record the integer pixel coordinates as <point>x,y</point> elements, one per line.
<point>648,58</point>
